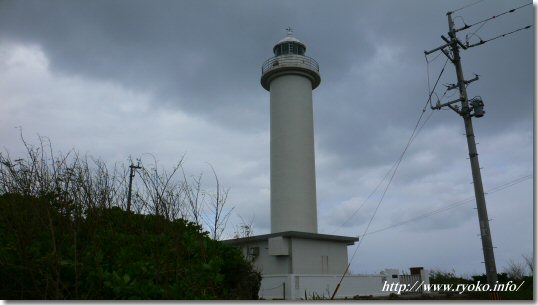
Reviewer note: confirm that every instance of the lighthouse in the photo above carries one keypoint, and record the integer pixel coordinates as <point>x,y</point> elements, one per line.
<point>290,76</point>
<point>294,255</point>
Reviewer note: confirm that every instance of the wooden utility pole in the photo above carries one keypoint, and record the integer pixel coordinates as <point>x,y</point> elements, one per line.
<point>132,169</point>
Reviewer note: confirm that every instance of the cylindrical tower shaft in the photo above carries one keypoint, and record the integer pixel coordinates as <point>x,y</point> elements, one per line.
<point>293,177</point>
<point>290,77</point>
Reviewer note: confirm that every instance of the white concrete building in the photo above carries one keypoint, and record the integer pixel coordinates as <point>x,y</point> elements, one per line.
<point>295,252</point>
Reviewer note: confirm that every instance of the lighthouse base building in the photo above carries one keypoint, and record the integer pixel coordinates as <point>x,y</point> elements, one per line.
<point>295,252</point>
<point>296,262</point>
<point>300,265</point>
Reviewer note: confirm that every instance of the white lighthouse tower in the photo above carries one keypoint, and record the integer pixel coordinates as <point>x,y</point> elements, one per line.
<point>294,259</point>
<point>290,77</point>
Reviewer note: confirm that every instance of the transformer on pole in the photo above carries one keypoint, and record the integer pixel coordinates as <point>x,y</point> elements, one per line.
<point>470,108</point>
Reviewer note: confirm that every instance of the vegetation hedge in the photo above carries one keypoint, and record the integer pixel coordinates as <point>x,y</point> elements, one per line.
<point>51,248</point>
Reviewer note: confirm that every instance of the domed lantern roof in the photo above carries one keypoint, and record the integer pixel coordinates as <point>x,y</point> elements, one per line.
<point>289,45</point>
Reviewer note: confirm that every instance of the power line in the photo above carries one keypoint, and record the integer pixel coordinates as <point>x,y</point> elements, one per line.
<point>496,37</point>
<point>436,82</point>
<point>459,203</point>
<point>411,139</point>
<point>492,17</point>
<point>462,84</point>
<point>472,108</point>
<point>380,200</point>
<point>424,123</point>
<point>454,204</point>
<point>397,165</point>
<point>430,61</point>
<point>367,198</point>
<point>509,184</point>
<point>476,31</point>
<point>466,6</point>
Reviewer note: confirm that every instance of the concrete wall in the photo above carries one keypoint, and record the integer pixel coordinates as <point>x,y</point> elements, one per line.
<point>318,256</point>
<point>265,263</point>
<point>293,178</point>
<point>297,255</point>
<point>295,286</point>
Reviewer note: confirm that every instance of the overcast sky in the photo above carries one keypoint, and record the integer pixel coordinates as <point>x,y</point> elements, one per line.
<point>114,79</point>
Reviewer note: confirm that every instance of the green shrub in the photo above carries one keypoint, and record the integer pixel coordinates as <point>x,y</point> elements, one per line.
<point>52,249</point>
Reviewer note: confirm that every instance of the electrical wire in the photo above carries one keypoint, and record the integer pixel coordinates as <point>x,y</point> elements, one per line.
<point>509,184</point>
<point>492,17</point>
<point>413,136</point>
<point>365,200</point>
<point>424,123</point>
<point>432,91</point>
<point>454,204</point>
<point>415,132</point>
<point>497,37</point>
<point>436,56</point>
<point>411,139</point>
<point>466,6</point>
<point>474,33</point>
<point>381,199</point>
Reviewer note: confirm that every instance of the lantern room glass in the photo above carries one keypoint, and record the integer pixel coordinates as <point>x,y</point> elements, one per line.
<point>289,48</point>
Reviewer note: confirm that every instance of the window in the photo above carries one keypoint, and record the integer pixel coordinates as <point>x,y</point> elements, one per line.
<point>289,48</point>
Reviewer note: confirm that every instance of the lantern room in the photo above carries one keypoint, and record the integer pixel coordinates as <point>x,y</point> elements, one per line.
<point>289,45</point>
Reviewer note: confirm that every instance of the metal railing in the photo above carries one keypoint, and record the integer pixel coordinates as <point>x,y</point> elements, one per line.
<point>290,60</point>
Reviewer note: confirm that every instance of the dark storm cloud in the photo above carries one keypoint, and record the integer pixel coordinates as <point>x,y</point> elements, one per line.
<point>191,55</point>
<point>399,87</point>
<point>205,52</point>
<point>203,59</point>
<point>205,56</point>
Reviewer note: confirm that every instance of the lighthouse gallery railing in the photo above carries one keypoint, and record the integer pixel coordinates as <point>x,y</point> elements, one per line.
<point>290,60</point>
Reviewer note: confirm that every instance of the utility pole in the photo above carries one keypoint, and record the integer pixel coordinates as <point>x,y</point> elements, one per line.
<point>468,110</point>
<point>132,169</point>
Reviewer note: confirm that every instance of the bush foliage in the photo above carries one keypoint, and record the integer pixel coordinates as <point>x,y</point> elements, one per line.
<point>48,250</point>
<point>66,232</point>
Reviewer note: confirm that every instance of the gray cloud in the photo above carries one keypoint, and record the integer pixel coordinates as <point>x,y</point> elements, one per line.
<point>185,76</point>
